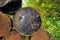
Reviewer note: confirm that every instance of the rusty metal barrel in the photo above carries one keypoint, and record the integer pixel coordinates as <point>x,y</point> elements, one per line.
<point>10,6</point>
<point>5,24</point>
<point>42,35</point>
<point>27,21</point>
<point>13,35</point>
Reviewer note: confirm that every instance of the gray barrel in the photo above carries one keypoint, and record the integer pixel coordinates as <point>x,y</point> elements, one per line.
<point>27,21</point>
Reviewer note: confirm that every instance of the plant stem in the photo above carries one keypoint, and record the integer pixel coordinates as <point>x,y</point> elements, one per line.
<point>26,37</point>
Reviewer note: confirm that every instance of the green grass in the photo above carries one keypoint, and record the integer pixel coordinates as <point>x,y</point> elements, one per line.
<point>26,37</point>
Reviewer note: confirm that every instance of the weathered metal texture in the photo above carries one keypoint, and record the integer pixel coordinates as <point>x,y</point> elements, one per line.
<point>13,35</point>
<point>5,24</point>
<point>11,6</point>
<point>41,35</point>
<point>27,21</point>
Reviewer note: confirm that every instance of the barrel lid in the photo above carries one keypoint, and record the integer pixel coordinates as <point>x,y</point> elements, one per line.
<point>27,21</point>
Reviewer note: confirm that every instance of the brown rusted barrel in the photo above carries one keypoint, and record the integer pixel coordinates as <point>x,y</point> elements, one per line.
<point>5,24</point>
<point>3,2</point>
<point>13,35</point>
<point>27,21</point>
<point>41,35</point>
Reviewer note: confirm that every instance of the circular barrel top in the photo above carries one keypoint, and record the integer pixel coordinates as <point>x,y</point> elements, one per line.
<point>27,21</point>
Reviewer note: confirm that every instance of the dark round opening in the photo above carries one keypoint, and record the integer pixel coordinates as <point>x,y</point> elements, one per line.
<point>11,7</point>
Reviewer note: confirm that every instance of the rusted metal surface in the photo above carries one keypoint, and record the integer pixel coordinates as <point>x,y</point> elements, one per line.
<point>27,21</point>
<point>5,24</point>
<point>41,35</point>
<point>13,35</point>
<point>11,6</point>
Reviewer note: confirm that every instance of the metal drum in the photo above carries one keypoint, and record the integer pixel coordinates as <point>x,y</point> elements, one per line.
<point>27,21</point>
<point>10,6</point>
<point>42,35</point>
<point>13,35</point>
<point>5,24</point>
